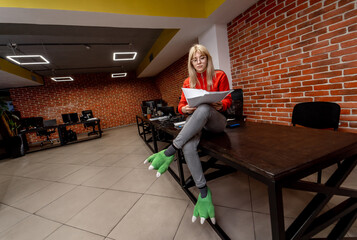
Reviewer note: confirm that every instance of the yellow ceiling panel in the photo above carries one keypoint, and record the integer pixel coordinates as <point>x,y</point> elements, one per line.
<point>172,8</point>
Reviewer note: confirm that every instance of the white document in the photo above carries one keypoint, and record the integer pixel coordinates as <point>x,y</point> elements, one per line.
<point>195,97</point>
<point>179,123</point>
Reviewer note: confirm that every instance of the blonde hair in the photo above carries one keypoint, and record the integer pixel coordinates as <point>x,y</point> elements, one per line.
<point>192,71</point>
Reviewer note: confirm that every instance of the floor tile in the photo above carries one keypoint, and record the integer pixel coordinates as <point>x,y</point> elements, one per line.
<point>107,177</point>
<point>236,195</point>
<point>142,150</point>
<point>4,178</point>
<point>124,150</point>
<point>294,201</point>
<point>26,169</point>
<point>53,172</point>
<point>166,186</point>
<point>82,175</point>
<point>70,233</point>
<point>39,156</point>
<point>17,188</point>
<point>98,149</point>
<point>18,168</point>
<point>138,180</point>
<point>132,160</point>
<point>194,231</point>
<point>156,218</point>
<point>109,159</point>
<point>236,223</point>
<point>103,214</point>
<point>262,226</point>
<point>65,207</point>
<point>10,216</point>
<point>69,149</point>
<point>31,228</point>
<point>43,197</point>
<point>352,232</point>
<point>80,158</point>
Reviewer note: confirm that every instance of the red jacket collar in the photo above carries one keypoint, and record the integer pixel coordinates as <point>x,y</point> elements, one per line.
<point>200,75</point>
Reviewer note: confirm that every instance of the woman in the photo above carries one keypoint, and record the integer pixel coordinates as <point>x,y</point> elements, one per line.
<point>206,116</point>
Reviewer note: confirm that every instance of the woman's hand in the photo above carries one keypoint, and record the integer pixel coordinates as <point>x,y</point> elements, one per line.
<point>218,106</point>
<point>187,109</point>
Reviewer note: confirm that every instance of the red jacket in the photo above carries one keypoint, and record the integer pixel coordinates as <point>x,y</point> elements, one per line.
<point>220,83</point>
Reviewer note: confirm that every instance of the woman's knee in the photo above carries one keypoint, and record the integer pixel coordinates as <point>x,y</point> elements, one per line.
<point>203,107</point>
<point>189,148</point>
<point>203,110</point>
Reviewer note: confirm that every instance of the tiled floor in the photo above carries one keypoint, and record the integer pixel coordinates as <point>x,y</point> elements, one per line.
<point>100,189</point>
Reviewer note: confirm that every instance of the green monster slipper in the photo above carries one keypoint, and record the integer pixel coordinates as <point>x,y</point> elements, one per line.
<point>204,208</point>
<point>160,162</point>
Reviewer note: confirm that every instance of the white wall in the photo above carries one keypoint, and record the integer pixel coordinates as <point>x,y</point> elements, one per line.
<point>215,40</point>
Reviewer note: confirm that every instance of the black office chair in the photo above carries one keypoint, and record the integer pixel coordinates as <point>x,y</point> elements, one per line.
<point>47,131</point>
<point>235,111</point>
<point>320,115</point>
<point>86,115</point>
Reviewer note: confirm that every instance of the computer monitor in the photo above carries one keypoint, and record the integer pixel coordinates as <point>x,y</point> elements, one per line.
<point>70,117</point>
<point>150,104</point>
<point>87,114</point>
<point>31,122</point>
<point>50,123</point>
<point>168,111</point>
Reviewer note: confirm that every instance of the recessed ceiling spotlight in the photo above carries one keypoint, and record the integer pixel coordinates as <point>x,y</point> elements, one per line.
<point>124,56</point>
<point>118,75</point>
<point>28,59</point>
<point>62,79</point>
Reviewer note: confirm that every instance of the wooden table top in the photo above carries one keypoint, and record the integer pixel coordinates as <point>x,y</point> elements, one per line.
<point>276,151</point>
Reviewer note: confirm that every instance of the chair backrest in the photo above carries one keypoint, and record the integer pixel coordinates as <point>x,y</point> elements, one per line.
<point>236,109</point>
<point>319,115</point>
<point>87,114</point>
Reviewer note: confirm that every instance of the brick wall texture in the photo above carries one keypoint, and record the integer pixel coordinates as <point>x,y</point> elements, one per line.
<point>116,101</point>
<point>286,52</point>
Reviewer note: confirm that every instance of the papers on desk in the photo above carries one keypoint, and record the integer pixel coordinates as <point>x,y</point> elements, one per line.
<point>92,119</point>
<point>159,118</point>
<point>179,124</point>
<point>195,97</point>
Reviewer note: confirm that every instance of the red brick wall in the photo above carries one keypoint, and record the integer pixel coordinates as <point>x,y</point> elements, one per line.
<point>286,52</point>
<point>115,101</point>
<point>170,81</point>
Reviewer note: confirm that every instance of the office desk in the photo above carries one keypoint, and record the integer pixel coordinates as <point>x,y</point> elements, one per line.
<point>280,156</point>
<point>146,131</point>
<point>33,130</point>
<point>63,127</point>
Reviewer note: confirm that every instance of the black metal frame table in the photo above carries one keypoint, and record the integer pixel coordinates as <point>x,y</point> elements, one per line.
<point>62,129</point>
<point>147,132</point>
<point>33,130</point>
<point>280,157</point>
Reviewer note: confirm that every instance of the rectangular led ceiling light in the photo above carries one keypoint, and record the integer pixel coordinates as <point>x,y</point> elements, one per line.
<point>118,75</point>
<point>62,79</point>
<point>124,56</point>
<point>28,59</point>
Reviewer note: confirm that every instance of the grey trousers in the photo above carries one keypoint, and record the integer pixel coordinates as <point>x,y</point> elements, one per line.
<point>204,117</point>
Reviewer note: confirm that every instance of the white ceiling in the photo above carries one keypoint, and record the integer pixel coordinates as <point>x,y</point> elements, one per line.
<point>189,30</point>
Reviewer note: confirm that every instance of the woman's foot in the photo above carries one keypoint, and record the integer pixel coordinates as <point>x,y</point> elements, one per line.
<point>204,208</point>
<point>160,162</point>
